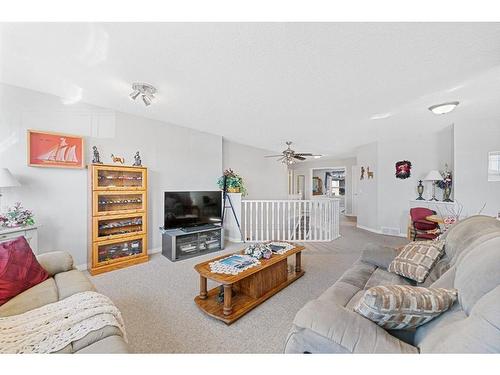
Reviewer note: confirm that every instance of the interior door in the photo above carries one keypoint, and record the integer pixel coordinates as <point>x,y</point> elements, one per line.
<point>354,179</point>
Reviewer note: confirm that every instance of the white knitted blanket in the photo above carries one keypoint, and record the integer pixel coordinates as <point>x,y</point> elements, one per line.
<point>50,328</point>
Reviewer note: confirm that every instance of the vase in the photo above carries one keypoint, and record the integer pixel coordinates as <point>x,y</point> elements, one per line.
<point>233,190</point>
<point>420,190</point>
<point>446,194</point>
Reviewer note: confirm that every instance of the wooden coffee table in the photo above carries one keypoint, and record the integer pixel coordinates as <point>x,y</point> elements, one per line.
<point>248,289</point>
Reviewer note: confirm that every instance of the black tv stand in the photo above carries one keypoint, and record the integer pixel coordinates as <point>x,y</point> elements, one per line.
<point>178,244</point>
<point>197,228</point>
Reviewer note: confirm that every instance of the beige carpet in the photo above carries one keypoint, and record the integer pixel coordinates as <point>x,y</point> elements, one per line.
<point>156,299</point>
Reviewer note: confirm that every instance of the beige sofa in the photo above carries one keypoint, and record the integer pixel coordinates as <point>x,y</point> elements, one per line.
<point>471,264</point>
<point>65,281</point>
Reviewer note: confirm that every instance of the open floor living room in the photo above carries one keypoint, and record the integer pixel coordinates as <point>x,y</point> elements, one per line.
<point>231,188</point>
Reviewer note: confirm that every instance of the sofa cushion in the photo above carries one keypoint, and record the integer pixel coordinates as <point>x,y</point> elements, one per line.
<point>19,269</point>
<point>477,333</point>
<point>348,330</point>
<point>377,255</point>
<point>55,262</point>
<point>478,273</point>
<point>108,345</point>
<point>37,296</point>
<point>72,282</point>
<point>90,339</point>
<point>468,233</point>
<point>416,260</point>
<point>402,306</point>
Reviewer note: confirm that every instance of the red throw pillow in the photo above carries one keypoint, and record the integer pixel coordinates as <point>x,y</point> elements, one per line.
<point>19,269</point>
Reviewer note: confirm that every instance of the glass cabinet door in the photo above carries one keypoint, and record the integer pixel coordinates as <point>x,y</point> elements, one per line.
<point>113,251</point>
<point>118,226</point>
<point>116,202</point>
<point>119,178</point>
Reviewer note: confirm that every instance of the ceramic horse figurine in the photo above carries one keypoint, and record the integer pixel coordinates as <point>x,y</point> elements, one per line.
<point>117,159</point>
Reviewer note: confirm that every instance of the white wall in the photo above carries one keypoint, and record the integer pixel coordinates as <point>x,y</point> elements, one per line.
<point>426,152</point>
<point>177,158</point>
<point>384,200</point>
<point>367,156</point>
<point>472,142</point>
<point>264,178</point>
<point>305,168</point>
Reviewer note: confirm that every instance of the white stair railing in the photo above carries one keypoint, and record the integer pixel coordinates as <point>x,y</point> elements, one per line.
<point>290,220</point>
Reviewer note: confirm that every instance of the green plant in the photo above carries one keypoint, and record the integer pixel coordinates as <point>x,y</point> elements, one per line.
<point>233,181</point>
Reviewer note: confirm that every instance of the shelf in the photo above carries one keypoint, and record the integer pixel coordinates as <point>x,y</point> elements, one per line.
<point>119,217</point>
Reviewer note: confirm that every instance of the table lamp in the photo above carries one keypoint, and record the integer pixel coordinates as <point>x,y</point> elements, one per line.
<point>433,176</point>
<point>6,180</point>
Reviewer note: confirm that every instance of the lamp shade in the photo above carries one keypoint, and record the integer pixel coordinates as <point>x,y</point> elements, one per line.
<point>433,176</point>
<point>6,179</point>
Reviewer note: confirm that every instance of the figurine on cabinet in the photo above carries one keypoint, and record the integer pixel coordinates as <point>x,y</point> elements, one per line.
<point>97,157</point>
<point>117,159</point>
<point>137,160</point>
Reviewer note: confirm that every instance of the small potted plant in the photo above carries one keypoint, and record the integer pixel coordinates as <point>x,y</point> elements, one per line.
<point>234,182</point>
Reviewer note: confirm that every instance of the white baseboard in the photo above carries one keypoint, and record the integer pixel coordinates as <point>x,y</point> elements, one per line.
<point>84,266</point>
<point>379,231</point>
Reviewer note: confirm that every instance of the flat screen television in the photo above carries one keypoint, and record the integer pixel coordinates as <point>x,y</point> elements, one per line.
<point>184,209</point>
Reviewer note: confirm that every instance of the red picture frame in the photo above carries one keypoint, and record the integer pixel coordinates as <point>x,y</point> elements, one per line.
<point>55,150</point>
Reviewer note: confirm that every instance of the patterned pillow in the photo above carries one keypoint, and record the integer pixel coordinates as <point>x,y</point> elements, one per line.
<point>416,259</point>
<point>402,306</point>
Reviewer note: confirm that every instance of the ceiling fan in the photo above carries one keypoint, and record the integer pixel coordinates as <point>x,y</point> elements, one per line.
<point>289,156</point>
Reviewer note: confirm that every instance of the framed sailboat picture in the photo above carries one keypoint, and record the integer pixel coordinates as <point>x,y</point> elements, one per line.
<point>46,149</point>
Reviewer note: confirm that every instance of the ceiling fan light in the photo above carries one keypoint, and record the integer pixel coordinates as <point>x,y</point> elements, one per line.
<point>317,156</point>
<point>441,109</point>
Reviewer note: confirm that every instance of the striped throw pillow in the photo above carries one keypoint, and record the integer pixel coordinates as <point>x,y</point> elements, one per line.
<point>416,259</point>
<point>404,307</point>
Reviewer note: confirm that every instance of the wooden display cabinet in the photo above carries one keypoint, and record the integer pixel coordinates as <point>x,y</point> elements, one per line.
<point>118,224</point>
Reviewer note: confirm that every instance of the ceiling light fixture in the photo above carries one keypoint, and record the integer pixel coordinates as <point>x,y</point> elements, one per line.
<point>381,116</point>
<point>145,90</point>
<point>441,109</point>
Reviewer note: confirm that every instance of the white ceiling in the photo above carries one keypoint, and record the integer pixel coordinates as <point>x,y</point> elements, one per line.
<point>261,84</point>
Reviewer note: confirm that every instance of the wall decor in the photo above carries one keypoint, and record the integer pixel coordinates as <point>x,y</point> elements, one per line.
<point>403,169</point>
<point>47,149</point>
<point>317,186</point>
<point>369,174</point>
<point>362,173</point>
<point>117,159</point>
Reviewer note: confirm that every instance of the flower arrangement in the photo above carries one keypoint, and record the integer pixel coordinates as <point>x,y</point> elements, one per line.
<point>447,180</point>
<point>17,216</point>
<point>234,182</point>
<point>259,251</point>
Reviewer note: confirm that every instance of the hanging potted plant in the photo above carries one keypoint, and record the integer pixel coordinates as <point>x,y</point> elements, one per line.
<point>234,182</point>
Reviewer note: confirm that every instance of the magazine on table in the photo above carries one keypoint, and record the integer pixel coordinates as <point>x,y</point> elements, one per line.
<point>238,261</point>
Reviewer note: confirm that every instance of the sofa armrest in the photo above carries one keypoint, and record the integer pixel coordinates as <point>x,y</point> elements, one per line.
<point>349,331</point>
<point>56,262</point>
<point>378,255</point>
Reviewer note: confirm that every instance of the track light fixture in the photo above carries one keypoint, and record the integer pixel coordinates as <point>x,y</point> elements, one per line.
<point>145,90</point>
